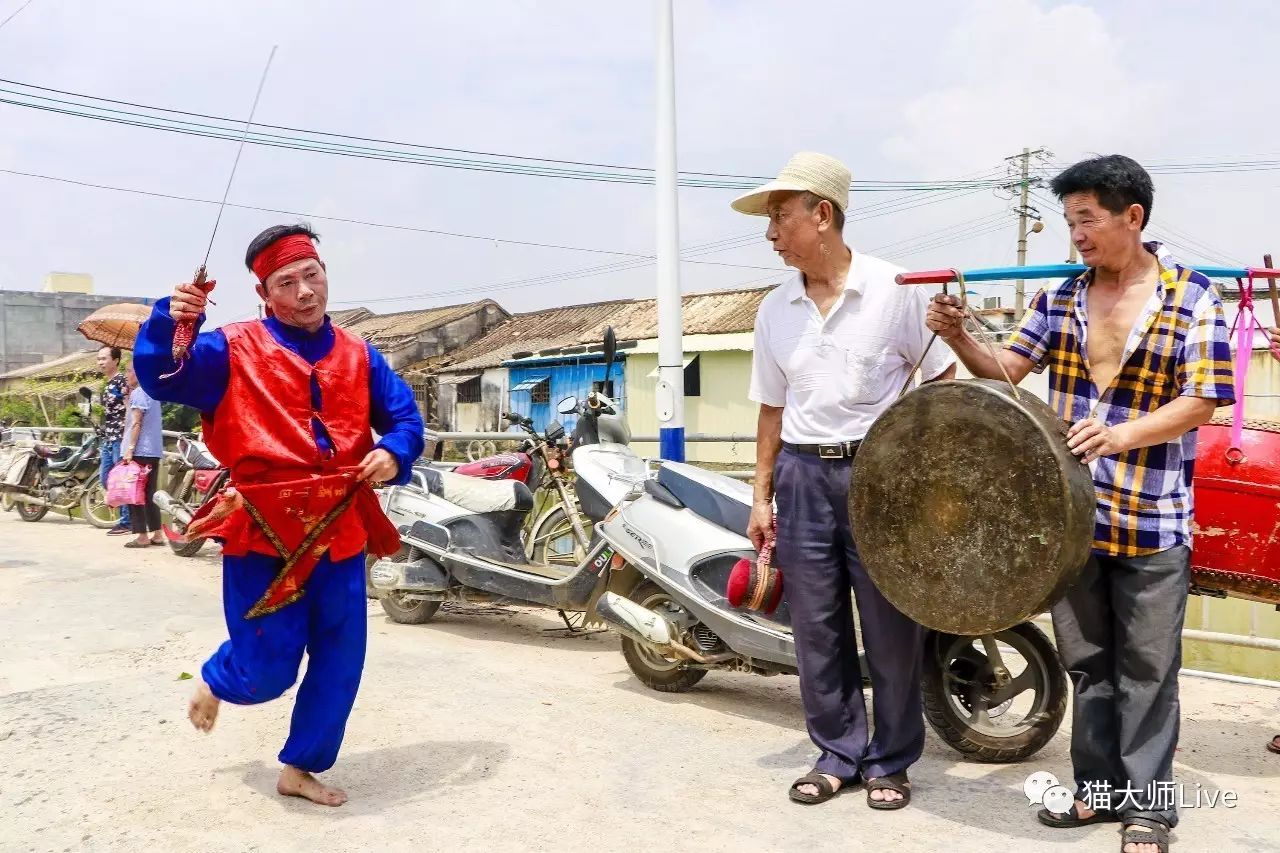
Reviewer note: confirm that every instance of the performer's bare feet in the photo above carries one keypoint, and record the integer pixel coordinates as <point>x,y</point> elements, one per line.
<point>203,709</point>
<point>299,783</point>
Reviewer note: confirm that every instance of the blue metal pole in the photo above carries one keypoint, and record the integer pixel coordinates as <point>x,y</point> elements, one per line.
<point>1055,271</point>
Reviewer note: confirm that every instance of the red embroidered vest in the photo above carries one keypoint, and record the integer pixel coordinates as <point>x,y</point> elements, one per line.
<point>262,428</point>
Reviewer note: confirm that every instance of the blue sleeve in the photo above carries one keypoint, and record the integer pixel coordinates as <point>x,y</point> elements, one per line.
<point>394,415</point>
<point>203,378</point>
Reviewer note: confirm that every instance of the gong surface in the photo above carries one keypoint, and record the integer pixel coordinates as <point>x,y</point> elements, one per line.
<point>969,512</point>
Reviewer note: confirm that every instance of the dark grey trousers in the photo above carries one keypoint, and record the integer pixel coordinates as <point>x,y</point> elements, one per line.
<point>1119,632</point>
<point>819,564</point>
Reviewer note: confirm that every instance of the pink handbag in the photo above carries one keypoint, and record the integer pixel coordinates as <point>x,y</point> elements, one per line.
<point>127,484</point>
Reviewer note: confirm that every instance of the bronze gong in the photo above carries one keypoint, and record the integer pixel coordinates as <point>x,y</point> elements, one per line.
<point>968,510</point>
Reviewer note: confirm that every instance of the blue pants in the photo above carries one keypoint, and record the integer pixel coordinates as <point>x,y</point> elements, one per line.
<point>819,563</point>
<point>108,457</point>
<point>260,661</point>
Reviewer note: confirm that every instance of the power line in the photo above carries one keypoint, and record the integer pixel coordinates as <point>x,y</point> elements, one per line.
<point>963,237</point>
<point>14,14</point>
<point>635,260</point>
<point>1170,236</point>
<point>330,143</point>
<point>306,215</point>
<point>618,266</point>
<point>940,231</point>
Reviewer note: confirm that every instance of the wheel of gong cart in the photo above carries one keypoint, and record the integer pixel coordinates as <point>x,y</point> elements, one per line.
<point>667,675</point>
<point>406,611</point>
<point>981,719</point>
<point>93,506</point>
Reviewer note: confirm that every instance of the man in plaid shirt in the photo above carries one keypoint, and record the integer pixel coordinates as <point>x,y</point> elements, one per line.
<point>1138,356</point>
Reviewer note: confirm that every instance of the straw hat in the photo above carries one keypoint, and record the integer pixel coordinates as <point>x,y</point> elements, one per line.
<point>805,172</point>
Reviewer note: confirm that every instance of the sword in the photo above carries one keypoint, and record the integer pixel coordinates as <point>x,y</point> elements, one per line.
<point>185,332</point>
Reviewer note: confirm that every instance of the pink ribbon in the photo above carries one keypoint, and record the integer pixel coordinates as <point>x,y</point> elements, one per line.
<point>1244,352</point>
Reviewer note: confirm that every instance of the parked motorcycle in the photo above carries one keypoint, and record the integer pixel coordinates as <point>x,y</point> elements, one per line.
<point>43,477</point>
<point>995,698</point>
<point>195,477</point>
<point>463,534</point>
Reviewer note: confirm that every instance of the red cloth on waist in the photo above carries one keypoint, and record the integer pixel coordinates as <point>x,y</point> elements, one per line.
<point>300,519</point>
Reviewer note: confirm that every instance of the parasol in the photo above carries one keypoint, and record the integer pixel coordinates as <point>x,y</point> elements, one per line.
<point>115,325</point>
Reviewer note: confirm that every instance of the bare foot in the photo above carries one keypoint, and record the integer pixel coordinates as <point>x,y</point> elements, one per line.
<point>299,783</point>
<point>1140,848</point>
<point>812,790</point>
<point>203,709</point>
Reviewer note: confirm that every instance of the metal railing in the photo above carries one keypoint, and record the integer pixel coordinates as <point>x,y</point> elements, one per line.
<point>1250,641</point>
<point>691,438</point>
<point>168,433</point>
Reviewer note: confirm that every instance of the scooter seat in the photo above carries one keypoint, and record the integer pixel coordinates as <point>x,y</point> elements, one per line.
<point>475,494</point>
<point>717,498</point>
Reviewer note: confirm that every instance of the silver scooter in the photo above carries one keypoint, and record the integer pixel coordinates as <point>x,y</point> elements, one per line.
<point>995,698</point>
<point>462,534</point>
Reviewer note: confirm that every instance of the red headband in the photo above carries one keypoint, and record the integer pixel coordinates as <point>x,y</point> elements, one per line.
<point>283,252</point>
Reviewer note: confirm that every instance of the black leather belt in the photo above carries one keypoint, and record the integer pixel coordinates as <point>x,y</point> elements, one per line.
<point>838,450</point>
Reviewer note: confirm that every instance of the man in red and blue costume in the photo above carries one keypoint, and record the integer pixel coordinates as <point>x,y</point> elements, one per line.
<point>290,404</point>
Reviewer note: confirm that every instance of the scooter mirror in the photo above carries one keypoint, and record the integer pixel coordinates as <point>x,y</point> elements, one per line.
<point>568,405</point>
<point>86,392</point>
<point>610,345</point>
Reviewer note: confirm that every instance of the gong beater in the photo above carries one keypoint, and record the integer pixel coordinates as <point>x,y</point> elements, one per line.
<point>969,511</point>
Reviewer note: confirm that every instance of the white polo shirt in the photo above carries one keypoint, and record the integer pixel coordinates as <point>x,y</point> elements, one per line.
<point>834,376</point>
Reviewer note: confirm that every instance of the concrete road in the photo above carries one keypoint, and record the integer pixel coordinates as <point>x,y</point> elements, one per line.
<point>485,730</point>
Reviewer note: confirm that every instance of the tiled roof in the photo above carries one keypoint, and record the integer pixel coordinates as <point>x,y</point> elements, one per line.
<point>72,364</point>
<point>387,331</point>
<point>632,320</point>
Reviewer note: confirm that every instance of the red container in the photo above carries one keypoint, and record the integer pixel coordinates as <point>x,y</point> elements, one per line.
<point>1236,543</point>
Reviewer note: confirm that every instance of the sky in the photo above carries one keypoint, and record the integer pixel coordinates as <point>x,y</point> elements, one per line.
<point>920,91</point>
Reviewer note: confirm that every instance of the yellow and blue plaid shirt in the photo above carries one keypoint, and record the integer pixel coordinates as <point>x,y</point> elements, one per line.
<point>1180,347</point>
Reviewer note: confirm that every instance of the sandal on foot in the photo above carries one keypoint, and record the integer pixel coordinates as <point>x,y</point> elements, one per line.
<point>1273,745</point>
<point>1157,835</point>
<point>825,789</point>
<point>134,543</point>
<point>1072,819</point>
<point>897,782</point>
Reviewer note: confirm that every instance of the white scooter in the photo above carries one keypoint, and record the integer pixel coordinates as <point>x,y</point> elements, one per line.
<point>463,534</point>
<point>995,698</point>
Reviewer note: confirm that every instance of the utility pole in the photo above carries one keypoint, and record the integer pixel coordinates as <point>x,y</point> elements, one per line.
<point>1023,184</point>
<point>669,393</point>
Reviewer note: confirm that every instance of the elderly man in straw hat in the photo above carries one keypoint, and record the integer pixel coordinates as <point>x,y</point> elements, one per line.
<point>834,346</point>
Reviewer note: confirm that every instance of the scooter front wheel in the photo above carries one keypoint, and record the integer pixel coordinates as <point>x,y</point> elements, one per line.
<point>655,671</point>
